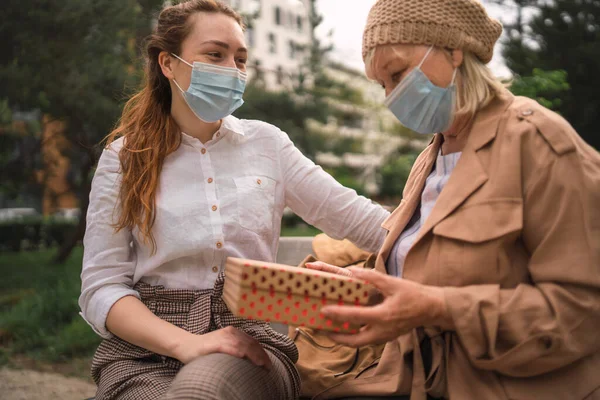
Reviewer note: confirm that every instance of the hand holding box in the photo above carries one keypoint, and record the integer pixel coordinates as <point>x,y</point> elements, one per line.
<point>290,295</point>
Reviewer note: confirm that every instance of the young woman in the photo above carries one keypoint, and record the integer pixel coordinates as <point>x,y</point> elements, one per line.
<point>181,186</point>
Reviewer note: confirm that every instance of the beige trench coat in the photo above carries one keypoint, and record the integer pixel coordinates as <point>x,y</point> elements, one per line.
<point>514,239</point>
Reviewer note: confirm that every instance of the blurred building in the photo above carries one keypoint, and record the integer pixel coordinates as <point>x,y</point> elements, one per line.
<point>279,35</point>
<point>369,130</point>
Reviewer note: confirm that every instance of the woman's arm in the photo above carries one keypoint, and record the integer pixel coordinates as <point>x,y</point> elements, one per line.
<point>109,303</point>
<point>321,201</point>
<point>133,322</point>
<point>108,260</point>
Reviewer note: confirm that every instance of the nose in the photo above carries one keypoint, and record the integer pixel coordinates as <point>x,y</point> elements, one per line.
<point>230,62</point>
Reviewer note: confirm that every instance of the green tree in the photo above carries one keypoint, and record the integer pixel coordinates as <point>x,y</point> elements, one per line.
<point>561,35</point>
<point>283,109</point>
<point>72,60</point>
<point>394,174</point>
<point>547,87</point>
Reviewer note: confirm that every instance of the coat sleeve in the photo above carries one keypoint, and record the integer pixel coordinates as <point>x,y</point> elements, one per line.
<point>553,321</point>
<point>321,201</point>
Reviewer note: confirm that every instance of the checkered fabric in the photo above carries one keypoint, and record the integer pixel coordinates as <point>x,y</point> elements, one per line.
<point>125,371</point>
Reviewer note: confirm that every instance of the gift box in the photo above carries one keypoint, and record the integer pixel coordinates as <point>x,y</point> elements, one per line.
<point>290,295</point>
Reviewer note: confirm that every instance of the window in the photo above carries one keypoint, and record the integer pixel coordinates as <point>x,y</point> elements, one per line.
<point>272,43</point>
<point>292,49</point>
<point>299,23</point>
<point>279,75</point>
<point>277,16</point>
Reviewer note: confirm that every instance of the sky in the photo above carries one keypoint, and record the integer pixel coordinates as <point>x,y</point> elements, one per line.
<point>348,22</point>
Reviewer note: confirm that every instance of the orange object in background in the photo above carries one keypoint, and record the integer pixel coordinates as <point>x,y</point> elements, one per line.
<point>290,295</point>
<point>58,193</point>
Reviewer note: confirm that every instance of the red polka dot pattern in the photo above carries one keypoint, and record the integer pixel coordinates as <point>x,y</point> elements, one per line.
<point>279,293</point>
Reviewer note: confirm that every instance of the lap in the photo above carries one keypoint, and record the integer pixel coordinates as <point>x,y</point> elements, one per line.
<point>134,379</point>
<point>221,376</point>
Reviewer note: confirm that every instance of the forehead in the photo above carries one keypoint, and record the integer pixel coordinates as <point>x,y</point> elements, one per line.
<point>215,26</point>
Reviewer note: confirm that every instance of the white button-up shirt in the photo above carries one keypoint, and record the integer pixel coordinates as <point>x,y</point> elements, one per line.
<point>224,198</point>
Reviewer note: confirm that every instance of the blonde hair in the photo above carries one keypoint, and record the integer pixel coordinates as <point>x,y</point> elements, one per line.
<point>478,84</point>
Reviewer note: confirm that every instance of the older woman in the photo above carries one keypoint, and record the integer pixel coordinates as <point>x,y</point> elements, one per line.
<point>491,268</point>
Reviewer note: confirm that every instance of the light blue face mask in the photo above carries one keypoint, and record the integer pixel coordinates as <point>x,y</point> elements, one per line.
<point>422,106</point>
<point>215,92</point>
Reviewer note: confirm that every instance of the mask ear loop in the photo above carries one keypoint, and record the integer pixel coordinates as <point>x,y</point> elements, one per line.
<point>426,55</point>
<point>454,76</point>
<point>178,87</point>
<point>181,59</point>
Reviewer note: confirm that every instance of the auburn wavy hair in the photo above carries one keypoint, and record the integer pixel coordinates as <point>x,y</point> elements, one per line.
<point>150,133</point>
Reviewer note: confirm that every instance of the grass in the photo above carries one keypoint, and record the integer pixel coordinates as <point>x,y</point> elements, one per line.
<point>38,306</point>
<point>300,230</point>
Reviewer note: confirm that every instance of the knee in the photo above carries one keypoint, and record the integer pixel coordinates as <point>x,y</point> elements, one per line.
<point>209,378</point>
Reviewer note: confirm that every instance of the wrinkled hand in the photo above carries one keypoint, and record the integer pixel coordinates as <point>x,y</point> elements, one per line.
<point>321,266</point>
<point>406,305</point>
<point>228,341</point>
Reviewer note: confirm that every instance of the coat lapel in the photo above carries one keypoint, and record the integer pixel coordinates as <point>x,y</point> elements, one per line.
<point>398,220</point>
<point>469,174</point>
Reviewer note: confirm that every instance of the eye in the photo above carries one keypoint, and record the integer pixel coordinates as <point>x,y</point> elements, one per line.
<point>242,60</point>
<point>214,54</point>
<point>396,77</point>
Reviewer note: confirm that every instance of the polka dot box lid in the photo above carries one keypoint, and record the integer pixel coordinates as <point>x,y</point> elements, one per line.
<point>290,295</point>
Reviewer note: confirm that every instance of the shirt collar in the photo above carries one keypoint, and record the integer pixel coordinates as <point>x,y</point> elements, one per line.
<point>232,124</point>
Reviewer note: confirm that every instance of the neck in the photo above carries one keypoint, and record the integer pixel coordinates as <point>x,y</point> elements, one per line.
<point>189,123</point>
<point>456,137</point>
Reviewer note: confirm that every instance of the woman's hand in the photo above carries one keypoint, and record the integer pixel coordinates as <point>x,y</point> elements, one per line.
<point>321,266</point>
<point>407,305</point>
<point>228,340</point>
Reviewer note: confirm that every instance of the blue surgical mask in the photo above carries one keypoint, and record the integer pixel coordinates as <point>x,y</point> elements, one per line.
<point>215,92</point>
<point>422,106</point>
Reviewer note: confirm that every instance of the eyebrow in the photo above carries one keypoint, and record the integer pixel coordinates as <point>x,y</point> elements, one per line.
<point>225,45</point>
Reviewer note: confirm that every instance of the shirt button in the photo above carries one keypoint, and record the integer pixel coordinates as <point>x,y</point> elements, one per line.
<point>203,151</point>
<point>214,208</point>
<point>259,181</point>
<point>215,269</point>
<point>219,245</point>
<point>218,134</point>
<point>210,180</point>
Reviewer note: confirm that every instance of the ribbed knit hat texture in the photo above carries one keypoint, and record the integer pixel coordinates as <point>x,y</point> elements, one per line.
<point>453,24</point>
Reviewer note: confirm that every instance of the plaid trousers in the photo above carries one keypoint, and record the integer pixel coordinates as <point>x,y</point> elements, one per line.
<point>122,370</point>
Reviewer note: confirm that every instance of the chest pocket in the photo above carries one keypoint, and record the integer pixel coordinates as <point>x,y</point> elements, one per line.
<point>474,241</point>
<point>255,202</point>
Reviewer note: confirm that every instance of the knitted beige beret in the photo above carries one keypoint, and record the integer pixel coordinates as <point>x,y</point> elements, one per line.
<point>453,24</point>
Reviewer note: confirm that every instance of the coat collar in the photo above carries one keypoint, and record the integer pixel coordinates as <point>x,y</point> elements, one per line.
<point>233,125</point>
<point>468,176</point>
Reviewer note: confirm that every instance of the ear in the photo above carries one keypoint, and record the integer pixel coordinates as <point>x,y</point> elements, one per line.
<point>167,63</point>
<point>457,58</point>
